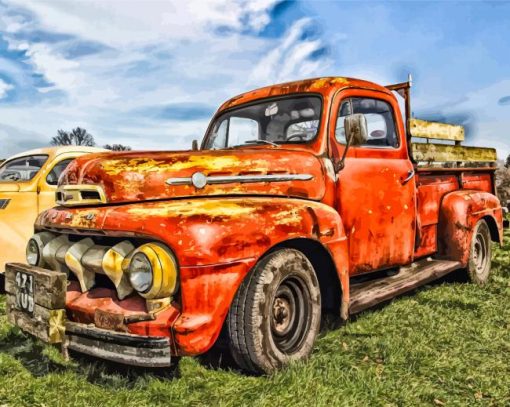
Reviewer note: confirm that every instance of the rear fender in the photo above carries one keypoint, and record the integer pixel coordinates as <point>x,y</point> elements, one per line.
<point>460,211</point>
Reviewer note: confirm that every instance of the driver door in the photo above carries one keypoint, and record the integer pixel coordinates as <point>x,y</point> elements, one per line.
<point>376,188</point>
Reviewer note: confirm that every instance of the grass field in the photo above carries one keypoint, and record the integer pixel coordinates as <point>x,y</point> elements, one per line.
<point>446,344</point>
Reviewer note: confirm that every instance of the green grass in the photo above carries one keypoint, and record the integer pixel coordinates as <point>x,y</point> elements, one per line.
<point>446,344</point>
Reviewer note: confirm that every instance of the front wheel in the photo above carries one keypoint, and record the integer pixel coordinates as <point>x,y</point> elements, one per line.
<point>479,265</point>
<point>275,316</point>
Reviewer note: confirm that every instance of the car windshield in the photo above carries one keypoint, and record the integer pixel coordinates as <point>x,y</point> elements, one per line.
<point>290,120</point>
<point>22,169</point>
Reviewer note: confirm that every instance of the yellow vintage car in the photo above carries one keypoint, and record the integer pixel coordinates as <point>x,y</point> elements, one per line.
<point>28,182</point>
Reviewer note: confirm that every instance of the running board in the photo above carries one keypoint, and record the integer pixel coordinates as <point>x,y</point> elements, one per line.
<point>369,293</point>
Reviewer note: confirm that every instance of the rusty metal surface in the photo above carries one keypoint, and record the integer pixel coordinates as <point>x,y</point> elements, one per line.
<point>460,211</point>
<point>132,177</point>
<point>324,86</point>
<point>217,241</point>
<point>129,349</point>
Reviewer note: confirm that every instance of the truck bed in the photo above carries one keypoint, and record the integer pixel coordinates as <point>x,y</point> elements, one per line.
<point>433,183</point>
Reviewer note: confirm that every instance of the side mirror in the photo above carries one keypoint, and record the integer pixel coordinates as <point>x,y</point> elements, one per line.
<point>356,132</point>
<point>194,145</point>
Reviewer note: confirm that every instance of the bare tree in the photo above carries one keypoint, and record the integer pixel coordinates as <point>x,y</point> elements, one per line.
<point>76,137</point>
<point>117,147</point>
<point>61,139</point>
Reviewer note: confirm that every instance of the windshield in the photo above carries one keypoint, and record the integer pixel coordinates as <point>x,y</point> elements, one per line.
<point>22,169</point>
<point>290,120</point>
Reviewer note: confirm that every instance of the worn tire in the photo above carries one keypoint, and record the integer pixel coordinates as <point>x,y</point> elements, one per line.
<point>480,253</point>
<point>275,316</point>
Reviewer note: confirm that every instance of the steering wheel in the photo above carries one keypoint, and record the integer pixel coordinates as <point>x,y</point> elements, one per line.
<point>301,136</point>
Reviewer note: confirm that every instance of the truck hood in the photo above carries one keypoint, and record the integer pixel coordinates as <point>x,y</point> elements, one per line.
<point>144,176</point>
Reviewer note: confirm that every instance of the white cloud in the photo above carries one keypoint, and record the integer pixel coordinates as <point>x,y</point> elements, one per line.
<point>492,118</point>
<point>4,88</point>
<point>151,54</point>
<point>128,23</point>
<point>291,59</point>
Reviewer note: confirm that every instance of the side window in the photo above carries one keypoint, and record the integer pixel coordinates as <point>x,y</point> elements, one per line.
<point>234,131</point>
<point>58,169</point>
<point>380,122</point>
<point>345,110</point>
<point>219,138</point>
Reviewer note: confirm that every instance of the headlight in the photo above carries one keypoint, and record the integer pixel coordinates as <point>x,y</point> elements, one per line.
<point>33,253</point>
<point>140,273</point>
<point>35,248</point>
<point>153,271</point>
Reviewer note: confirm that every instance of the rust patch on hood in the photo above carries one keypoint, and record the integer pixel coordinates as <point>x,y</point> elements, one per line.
<point>137,176</point>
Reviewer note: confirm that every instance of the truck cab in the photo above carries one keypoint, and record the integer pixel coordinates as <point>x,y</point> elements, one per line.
<point>304,198</point>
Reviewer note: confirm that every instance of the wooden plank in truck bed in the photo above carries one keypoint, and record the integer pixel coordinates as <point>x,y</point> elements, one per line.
<point>435,130</point>
<point>426,152</point>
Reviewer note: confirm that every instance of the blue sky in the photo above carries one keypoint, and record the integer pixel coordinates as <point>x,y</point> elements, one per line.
<point>150,74</point>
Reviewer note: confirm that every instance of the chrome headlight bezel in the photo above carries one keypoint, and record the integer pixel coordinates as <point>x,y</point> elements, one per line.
<point>37,242</point>
<point>163,267</point>
<point>33,253</point>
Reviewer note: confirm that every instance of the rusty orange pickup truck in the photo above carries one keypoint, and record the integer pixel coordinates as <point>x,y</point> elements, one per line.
<point>303,198</point>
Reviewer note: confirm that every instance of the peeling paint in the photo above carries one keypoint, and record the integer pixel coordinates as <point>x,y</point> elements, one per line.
<point>216,208</point>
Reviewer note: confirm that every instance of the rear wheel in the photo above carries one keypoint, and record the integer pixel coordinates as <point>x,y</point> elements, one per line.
<point>479,265</point>
<point>275,316</point>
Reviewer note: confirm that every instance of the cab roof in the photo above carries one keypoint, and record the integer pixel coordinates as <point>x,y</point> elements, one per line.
<point>54,151</point>
<point>324,86</point>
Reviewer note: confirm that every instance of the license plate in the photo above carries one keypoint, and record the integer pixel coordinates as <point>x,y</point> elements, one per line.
<point>109,320</point>
<point>25,292</point>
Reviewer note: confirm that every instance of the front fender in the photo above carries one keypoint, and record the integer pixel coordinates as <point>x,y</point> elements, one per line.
<point>460,211</point>
<point>236,245</point>
<point>217,241</point>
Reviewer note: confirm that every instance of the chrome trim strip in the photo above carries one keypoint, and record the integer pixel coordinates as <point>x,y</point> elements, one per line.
<point>242,179</point>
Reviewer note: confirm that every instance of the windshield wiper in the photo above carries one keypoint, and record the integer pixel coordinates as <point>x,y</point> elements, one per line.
<point>259,141</point>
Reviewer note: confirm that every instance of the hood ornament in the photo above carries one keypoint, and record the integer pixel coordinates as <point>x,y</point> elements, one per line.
<point>199,180</point>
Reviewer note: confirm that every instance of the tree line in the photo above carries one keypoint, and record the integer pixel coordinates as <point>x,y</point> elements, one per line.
<point>81,137</point>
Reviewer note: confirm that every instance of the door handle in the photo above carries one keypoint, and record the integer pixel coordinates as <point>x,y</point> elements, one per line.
<point>410,175</point>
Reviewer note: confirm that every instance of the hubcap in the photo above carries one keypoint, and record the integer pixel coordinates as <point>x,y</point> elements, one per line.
<point>480,256</point>
<point>291,314</point>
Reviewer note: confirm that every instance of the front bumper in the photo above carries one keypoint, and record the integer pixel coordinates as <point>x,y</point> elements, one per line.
<point>125,348</point>
<point>39,309</point>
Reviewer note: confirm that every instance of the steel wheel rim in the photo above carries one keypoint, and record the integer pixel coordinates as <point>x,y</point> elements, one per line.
<point>290,314</point>
<point>480,253</point>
